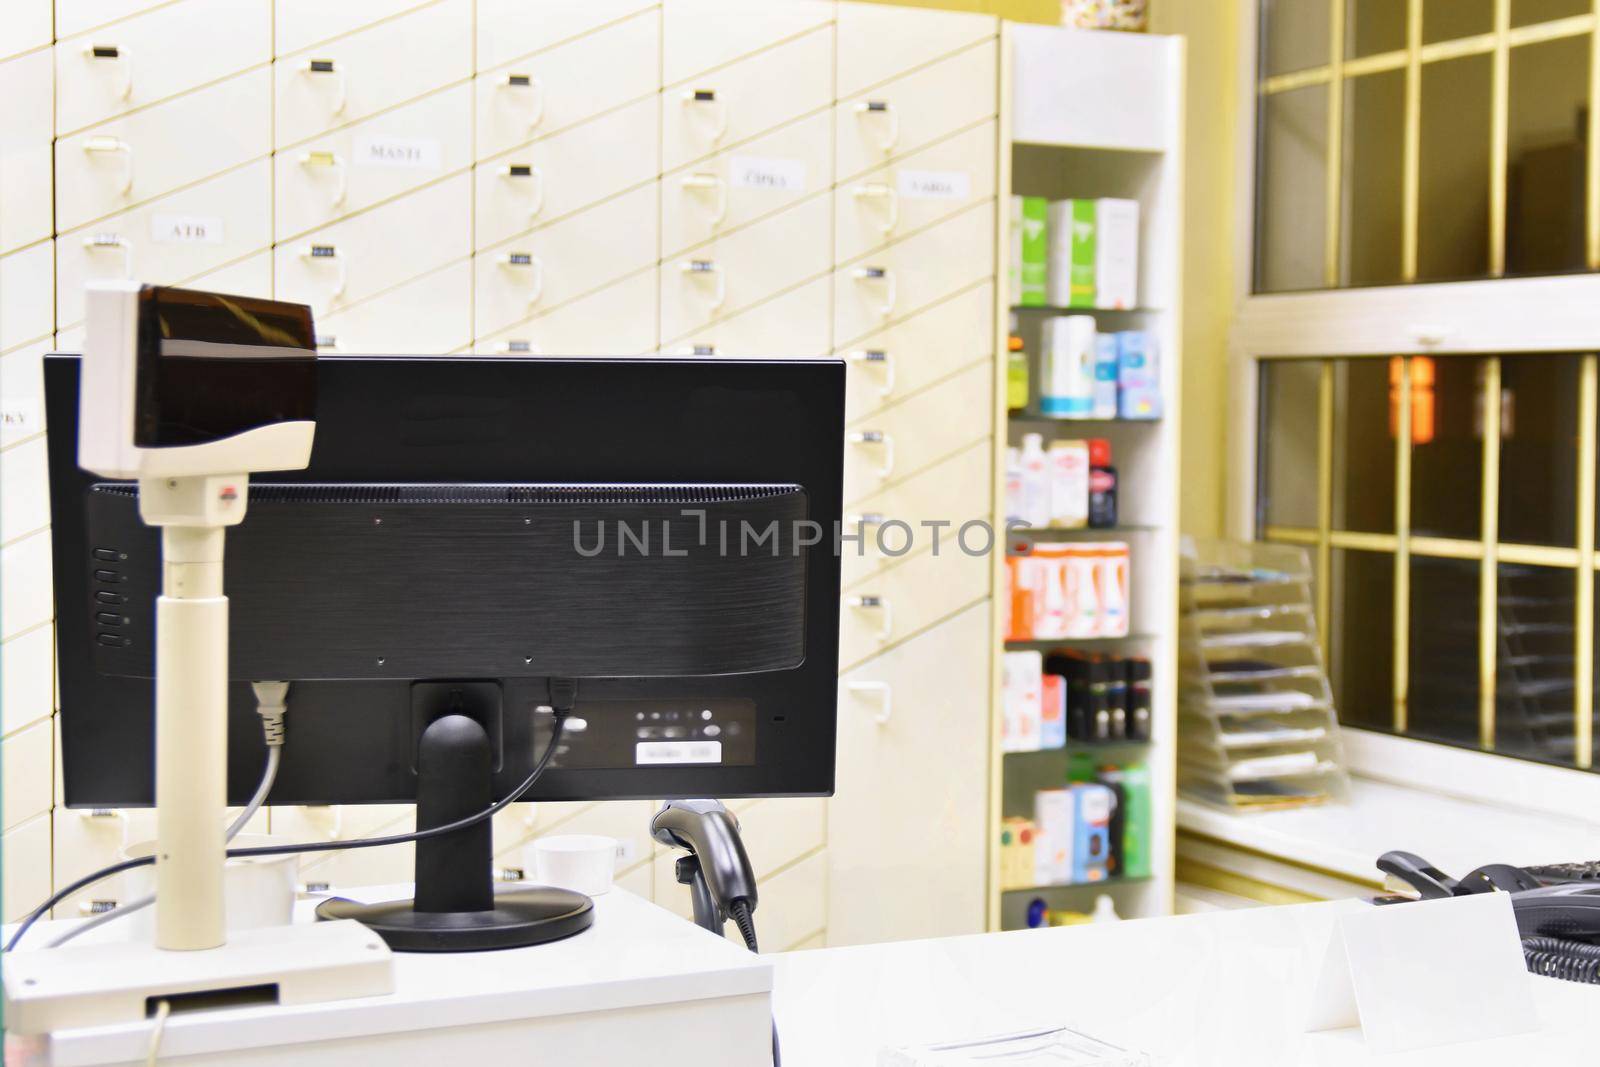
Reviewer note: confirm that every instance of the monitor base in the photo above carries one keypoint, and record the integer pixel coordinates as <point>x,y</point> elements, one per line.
<point>519,917</point>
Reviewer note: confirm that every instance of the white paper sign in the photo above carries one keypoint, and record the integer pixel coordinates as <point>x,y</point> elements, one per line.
<point>780,175</point>
<point>404,153</point>
<point>186,229</point>
<point>1426,974</point>
<point>19,418</point>
<point>935,184</point>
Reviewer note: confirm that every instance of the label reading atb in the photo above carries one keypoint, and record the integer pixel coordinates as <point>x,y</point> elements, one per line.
<point>186,229</point>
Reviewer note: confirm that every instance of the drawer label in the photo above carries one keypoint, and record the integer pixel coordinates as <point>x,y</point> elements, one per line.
<point>935,184</point>
<point>781,175</point>
<point>186,229</point>
<point>649,752</point>
<point>405,153</point>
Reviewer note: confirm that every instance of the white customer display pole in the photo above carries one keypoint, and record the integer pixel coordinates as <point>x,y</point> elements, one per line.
<point>191,702</point>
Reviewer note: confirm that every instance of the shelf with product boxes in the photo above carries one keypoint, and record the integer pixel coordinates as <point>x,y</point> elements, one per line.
<point>1087,315</point>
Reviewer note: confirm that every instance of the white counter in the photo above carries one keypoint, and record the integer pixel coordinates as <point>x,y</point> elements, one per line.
<point>1224,988</point>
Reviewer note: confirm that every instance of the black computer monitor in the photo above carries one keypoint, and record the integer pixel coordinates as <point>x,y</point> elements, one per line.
<point>661,530</point>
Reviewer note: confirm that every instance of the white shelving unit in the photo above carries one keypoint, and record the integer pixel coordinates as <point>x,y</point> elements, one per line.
<point>1092,114</point>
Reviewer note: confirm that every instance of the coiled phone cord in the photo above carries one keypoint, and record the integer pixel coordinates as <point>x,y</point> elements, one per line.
<point>1573,961</point>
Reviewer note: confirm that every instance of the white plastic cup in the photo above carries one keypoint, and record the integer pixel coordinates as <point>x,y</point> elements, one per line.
<point>583,863</point>
<point>256,891</point>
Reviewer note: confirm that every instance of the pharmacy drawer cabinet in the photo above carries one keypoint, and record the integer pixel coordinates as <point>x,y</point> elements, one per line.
<point>25,132</point>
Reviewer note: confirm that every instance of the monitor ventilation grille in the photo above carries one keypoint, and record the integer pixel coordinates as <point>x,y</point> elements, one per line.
<point>310,493</point>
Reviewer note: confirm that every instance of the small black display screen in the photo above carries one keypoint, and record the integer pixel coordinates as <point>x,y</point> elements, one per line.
<point>212,366</point>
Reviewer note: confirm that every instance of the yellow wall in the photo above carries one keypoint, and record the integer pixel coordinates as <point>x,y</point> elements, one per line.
<point>1212,27</point>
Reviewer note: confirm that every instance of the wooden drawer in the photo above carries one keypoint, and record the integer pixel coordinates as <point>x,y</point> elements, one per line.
<point>904,599</point>
<point>24,26</point>
<point>343,264</point>
<point>914,110</point>
<point>26,765</point>
<point>512,29</point>
<point>791,325</point>
<point>168,240</point>
<point>617,320</point>
<point>26,676</point>
<point>727,106</point>
<point>904,438</point>
<point>24,490</point>
<point>532,96</point>
<point>741,269</point>
<point>22,393</point>
<point>144,60</point>
<point>336,822</point>
<point>906,861</point>
<point>346,80</point>
<point>75,16</point>
<point>564,172</point>
<point>429,315</point>
<point>905,358</point>
<point>302,23</point>
<point>794,904</point>
<point>25,135</point>
<point>903,278</point>
<point>880,41</point>
<point>27,295</point>
<point>25,861</point>
<point>84,841</point>
<point>121,163</point>
<point>914,192</point>
<point>342,172</point>
<point>734,188</point>
<point>700,35</point>
<point>25,596</point>
<point>250,276</point>
<point>954,490</point>
<point>564,260</point>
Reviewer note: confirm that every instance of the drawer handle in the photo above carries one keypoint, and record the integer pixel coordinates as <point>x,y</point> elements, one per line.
<point>527,261</point>
<point>884,275</point>
<point>886,193</point>
<point>314,889</point>
<point>877,437</point>
<point>103,815</point>
<point>317,254</point>
<point>518,171</point>
<point>719,190</point>
<point>334,162</point>
<point>866,518</point>
<point>717,106</point>
<point>704,267</point>
<point>117,54</point>
<point>885,694</point>
<point>113,240</point>
<point>327,341</point>
<point>330,67</point>
<point>535,87</point>
<point>96,907</point>
<point>103,145</point>
<point>509,874</point>
<point>882,358</point>
<point>696,350</point>
<point>517,348</point>
<point>891,135</point>
<point>874,602</point>
<point>337,829</point>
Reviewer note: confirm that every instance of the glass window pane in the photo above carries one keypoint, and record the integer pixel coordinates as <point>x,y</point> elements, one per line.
<point>1373,26</point>
<point>1526,12</point>
<point>1539,449</point>
<point>1288,462</point>
<point>1453,217</point>
<point>1363,446</point>
<point>1442,704</point>
<point>1291,196</point>
<point>1446,20</point>
<point>1545,163</point>
<point>1534,662</point>
<point>1374,165</point>
<point>1295,35</point>
<point>1361,638</point>
<point>1447,447</point>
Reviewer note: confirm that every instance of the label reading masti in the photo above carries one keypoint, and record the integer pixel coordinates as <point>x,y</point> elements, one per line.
<point>186,229</point>
<point>778,174</point>
<point>648,753</point>
<point>401,153</point>
<point>934,184</point>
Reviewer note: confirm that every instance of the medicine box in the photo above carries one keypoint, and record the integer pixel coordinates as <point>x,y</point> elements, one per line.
<point>1053,830</point>
<point>1030,250</point>
<point>1073,239</point>
<point>1116,263</point>
<point>1093,803</point>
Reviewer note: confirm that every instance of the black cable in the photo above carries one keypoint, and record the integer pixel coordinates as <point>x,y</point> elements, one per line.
<point>324,846</point>
<point>740,912</point>
<point>1553,957</point>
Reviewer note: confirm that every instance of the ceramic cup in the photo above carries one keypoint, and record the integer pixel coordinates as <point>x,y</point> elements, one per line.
<point>583,863</point>
<point>256,892</point>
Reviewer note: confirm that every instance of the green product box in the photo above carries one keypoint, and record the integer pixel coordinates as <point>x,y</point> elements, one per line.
<point>1132,784</point>
<point>1030,250</point>
<point>1073,247</point>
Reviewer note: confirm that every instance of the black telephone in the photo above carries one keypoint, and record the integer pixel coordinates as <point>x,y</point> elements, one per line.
<point>1557,907</point>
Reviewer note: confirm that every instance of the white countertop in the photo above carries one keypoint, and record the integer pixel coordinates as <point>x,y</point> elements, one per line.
<point>1224,988</point>
<point>1455,835</point>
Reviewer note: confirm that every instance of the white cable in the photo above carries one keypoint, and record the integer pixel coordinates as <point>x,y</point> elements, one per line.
<point>163,1009</point>
<point>270,697</point>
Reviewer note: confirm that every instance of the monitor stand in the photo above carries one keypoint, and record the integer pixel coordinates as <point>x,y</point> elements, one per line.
<point>456,908</point>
